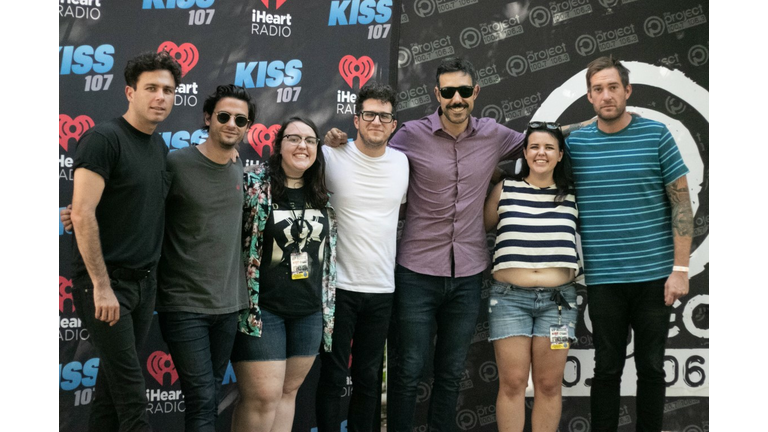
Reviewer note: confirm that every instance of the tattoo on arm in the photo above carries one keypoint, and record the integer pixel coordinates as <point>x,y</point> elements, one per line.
<point>682,214</point>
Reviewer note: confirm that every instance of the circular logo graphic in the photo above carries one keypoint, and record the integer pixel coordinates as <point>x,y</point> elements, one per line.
<point>423,392</point>
<point>608,3</point>
<point>674,105</point>
<point>578,424</point>
<point>494,112</point>
<point>516,65</point>
<point>466,419</point>
<point>585,45</point>
<point>653,26</point>
<point>470,37</point>
<point>424,8</point>
<point>698,55</point>
<point>404,57</point>
<point>488,371</point>
<point>539,16</point>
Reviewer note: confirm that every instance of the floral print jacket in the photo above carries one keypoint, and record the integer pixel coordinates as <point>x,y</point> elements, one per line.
<point>257,207</point>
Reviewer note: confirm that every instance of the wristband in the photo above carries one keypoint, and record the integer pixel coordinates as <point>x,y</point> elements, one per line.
<point>680,269</point>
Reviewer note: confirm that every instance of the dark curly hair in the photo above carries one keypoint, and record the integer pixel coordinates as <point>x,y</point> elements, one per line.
<point>315,191</point>
<point>375,91</point>
<point>455,64</point>
<point>231,91</point>
<point>151,61</point>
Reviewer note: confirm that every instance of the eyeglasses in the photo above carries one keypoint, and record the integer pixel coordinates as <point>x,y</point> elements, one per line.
<point>370,116</point>
<point>223,118</point>
<point>464,91</point>
<point>543,125</point>
<point>296,140</point>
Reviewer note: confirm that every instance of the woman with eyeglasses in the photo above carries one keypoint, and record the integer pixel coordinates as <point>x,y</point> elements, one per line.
<point>532,311</point>
<point>290,249</point>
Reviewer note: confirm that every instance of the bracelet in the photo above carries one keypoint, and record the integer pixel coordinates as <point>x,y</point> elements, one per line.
<point>680,269</point>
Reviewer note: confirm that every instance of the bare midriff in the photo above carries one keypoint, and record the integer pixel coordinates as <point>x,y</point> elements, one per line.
<point>532,278</point>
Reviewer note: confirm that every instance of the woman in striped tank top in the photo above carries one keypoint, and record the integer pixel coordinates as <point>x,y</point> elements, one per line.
<point>533,296</point>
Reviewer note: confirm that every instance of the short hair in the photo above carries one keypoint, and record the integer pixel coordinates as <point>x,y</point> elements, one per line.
<point>151,61</point>
<point>315,191</point>
<point>607,62</point>
<point>376,91</point>
<point>455,64</point>
<point>231,91</point>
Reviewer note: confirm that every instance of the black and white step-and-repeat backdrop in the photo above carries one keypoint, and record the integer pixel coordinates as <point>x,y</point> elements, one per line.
<point>531,58</point>
<point>310,58</point>
<point>296,57</point>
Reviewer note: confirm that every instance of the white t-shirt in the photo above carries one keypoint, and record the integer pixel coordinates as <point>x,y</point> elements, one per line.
<point>366,193</point>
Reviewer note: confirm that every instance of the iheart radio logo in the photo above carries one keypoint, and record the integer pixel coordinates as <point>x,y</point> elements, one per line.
<point>350,67</point>
<point>278,3</point>
<point>260,136</point>
<point>159,364</point>
<point>72,128</point>
<point>186,54</point>
<point>65,293</point>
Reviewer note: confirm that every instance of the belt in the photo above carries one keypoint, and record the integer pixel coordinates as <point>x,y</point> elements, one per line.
<point>129,274</point>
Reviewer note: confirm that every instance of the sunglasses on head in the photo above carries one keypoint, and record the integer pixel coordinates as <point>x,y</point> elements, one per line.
<point>543,125</point>
<point>464,91</point>
<point>223,118</point>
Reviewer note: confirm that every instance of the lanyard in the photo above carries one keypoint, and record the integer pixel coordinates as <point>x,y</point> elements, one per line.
<point>559,300</point>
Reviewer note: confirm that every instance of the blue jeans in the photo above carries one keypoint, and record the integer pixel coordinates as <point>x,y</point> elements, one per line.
<point>120,403</point>
<point>614,308</point>
<point>362,321</point>
<point>421,302</point>
<point>200,346</point>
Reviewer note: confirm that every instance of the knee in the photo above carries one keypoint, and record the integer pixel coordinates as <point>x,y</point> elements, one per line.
<point>513,383</point>
<point>548,386</point>
<point>259,397</point>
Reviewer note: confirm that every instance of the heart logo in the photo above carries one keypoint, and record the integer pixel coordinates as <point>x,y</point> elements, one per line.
<point>260,136</point>
<point>278,3</point>
<point>72,128</point>
<point>65,293</point>
<point>159,364</point>
<point>186,54</point>
<point>350,67</point>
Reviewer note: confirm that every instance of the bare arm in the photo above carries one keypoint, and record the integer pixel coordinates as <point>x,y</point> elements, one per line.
<point>88,187</point>
<point>567,129</point>
<point>682,233</point>
<point>490,212</point>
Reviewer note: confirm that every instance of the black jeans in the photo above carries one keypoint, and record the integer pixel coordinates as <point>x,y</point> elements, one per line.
<point>613,309</point>
<point>362,321</point>
<point>120,402</point>
<point>200,345</point>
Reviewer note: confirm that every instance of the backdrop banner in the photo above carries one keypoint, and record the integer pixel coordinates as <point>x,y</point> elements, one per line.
<point>311,58</point>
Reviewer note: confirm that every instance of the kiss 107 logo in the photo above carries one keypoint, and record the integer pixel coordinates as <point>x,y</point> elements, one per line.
<point>83,59</point>
<point>201,16</point>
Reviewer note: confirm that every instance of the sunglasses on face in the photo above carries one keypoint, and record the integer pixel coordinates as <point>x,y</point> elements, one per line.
<point>370,116</point>
<point>223,118</point>
<point>464,91</point>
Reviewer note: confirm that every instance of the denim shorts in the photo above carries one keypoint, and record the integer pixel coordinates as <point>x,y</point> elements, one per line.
<point>281,338</point>
<point>521,311</point>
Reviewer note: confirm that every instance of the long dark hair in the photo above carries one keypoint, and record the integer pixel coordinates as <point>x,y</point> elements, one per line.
<point>315,192</point>
<point>563,173</point>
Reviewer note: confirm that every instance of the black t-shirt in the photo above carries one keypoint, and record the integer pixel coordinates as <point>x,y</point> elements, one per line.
<point>278,293</point>
<point>131,212</point>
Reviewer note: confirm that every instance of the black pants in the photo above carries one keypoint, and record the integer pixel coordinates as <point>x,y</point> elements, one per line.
<point>362,321</point>
<point>120,402</point>
<point>613,309</point>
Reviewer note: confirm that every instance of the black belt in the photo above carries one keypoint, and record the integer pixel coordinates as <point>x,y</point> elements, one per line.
<point>120,273</point>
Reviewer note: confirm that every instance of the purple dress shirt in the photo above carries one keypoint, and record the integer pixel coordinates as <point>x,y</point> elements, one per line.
<point>447,186</point>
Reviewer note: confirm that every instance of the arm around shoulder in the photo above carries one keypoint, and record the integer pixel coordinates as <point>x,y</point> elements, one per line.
<point>491,210</point>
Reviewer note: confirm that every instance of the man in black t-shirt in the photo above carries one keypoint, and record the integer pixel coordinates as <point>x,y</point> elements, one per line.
<point>120,183</point>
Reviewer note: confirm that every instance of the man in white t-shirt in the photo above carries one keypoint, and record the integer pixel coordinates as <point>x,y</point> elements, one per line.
<point>368,182</point>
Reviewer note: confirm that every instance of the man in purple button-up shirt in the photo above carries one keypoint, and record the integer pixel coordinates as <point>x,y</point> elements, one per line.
<point>442,253</point>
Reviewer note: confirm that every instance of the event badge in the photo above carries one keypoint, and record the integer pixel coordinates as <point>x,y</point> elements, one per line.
<point>299,265</point>
<point>558,337</point>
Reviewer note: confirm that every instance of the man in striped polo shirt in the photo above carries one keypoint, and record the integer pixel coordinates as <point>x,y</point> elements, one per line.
<point>636,231</point>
